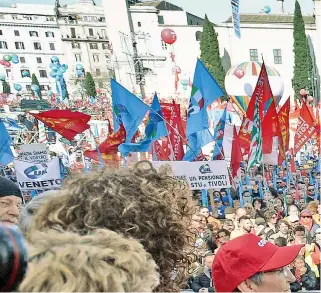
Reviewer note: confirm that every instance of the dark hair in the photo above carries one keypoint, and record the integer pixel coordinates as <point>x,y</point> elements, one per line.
<point>244,218</point>
<point>223,190</point>
<point>260,201</point>
<point>280,241</point>
<point>299,229</point>
<point>273,192</point>
<point>223,230</point>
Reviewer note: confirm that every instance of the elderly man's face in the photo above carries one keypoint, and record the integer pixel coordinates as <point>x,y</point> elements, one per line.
<point>9,209</point>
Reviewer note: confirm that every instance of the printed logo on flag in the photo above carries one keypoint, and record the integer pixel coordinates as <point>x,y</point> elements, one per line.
<point>36,171</point>
<point>205,169</point>
<point>197,102</point>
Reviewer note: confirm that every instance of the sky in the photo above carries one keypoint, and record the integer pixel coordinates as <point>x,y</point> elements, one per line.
<point>217,10</point>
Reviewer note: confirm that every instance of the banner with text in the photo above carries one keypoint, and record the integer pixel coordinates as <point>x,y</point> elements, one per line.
<point>236,17</point>
<point>33,176</point>
<point>200,175</point>
<point>36,153</point>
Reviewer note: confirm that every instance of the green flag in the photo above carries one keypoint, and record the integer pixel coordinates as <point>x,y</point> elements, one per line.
<point>255,154</point>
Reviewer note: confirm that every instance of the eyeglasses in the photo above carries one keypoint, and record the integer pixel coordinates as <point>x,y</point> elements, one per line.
<point>311,189</point>
<point>305,217</point>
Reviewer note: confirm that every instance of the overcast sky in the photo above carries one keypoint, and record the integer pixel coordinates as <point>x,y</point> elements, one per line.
<point>217,10</point>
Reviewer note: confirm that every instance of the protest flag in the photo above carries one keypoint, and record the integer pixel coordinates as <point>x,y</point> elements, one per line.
<point>65,122</point>
<point>6,155</point>
<point>218,137</point>
<point>236,155</point>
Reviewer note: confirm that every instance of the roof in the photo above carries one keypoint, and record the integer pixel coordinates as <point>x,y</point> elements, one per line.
<point>272,18</point>
<point>161,5</point>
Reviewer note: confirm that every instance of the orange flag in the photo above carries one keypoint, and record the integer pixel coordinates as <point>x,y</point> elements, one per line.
<point>284,122</point>
<point>307,126</point>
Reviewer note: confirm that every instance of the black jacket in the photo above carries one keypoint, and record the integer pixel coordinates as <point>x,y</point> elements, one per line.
<point>203,281</point>
<point>309,281</point>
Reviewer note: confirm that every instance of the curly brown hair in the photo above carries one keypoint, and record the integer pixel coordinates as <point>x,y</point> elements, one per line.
<point>142,203</point>
<point>101,262</point>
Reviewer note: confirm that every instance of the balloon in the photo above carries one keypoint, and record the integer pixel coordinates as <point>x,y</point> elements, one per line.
<point>62,70</point>
<point>65,66</point>
<point>7,64</point>
<point>168,36</point>
<point>79,73</point>
<point>303,92</point>
<point>35,87</point>
<point>310,98</point>
<point>79,67</point>
<point>2,62</point>
<point>49,93</point>
<point>15,60</point>
<point>2,76</point>
<point>14,56</point>
<point>7,58</point>
<point>58,78</point>
<point>54,59</point>
<point>248,89</point>
<point>17,87</point>
<point>177,69</point>
<point>53,74</point>
<point>267,9</point>
<point>239,73</point>
<point>25,73</point>
<point>54,68</point>
<point>59,73</point>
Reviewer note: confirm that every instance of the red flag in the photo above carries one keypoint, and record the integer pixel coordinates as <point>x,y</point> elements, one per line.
<point>172,115</point>
<point>163,152</point>
<point>293,170</point>
<point>307,126</point>
<point>111,158</point>
<point>284,122</point>
<point>65,122</point>
<point>113,140</point>
<point>263,93</point>
<point>236,154</point>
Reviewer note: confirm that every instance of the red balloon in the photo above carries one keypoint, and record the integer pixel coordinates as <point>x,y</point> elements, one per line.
<point>98,91</point>
<point>8,64</point>
<point>177,69</point>
<point>168,36</point>
<point>3,62</point>
<point>303,92</point>
<point>239,73</point>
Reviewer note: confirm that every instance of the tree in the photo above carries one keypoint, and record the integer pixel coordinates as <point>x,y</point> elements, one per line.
<point>6,87</point>
<point>210,53</point>
<point>90,86</point>
<point>34,80</point>
<point>303,67</point>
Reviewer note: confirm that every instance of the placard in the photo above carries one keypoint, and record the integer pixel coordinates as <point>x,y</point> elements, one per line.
<point>33,153</point>
<point>200,175</point>
<point>32,176</point>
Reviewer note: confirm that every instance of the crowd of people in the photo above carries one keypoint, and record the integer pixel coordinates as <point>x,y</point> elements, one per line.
<point>137,229</point>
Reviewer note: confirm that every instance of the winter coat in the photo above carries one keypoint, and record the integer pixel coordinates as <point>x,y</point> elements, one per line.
<point>203,281</point>
<point>309,281</point>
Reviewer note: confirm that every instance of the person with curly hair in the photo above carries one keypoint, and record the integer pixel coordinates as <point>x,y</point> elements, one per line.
<point>148,205</point>
<point>101,262</point>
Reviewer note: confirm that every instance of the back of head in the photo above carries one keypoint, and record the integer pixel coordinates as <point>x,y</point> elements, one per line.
<point>140,203</point>
<point>30,209</point>
<point>101,262</point>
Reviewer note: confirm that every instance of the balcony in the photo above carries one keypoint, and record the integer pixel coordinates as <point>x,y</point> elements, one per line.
<point>78,38</point>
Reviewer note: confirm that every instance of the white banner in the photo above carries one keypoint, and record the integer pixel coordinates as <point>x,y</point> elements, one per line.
<point>32,176</point>
<point>236,17</point>
<point>200,175</point>
<point>33,153</point>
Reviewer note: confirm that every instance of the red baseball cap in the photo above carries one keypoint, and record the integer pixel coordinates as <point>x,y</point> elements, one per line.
<point>241,258</point>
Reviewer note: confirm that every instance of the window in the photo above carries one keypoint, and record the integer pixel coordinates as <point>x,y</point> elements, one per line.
<point>50,18</point>
<point>75,45</point>
<point>93,18</point>
<point>91,32</point>
<point>1,16</point>
<point>98,71</point>
<point>86,18</point>
<point>102,19</point>
<point>37,46</point>
<point>160,19</point>
<point>27,17</point>
<point>96,58</point>
<point>139,24</point>
<point>103,33</point>
<point>39,60</point>
<point>22,70</point>
<point>28,87</point>
<point>14,16</point>
<point>19,45</point>
<point>73,32</point>
<point>33,34</point>
<point>3,45</point>
<point>277,56</point>
<point>164,45</point>
<point>44,87</point>
<point>50,35</point>
<point>16,33</point>
<point>198,36</point>
<point>78,57</point>
<point>93,46</point>
<point>22,60</point>
<point>8,72</point>
<point>43,73</point>
<point>105,46</point>
<point>52,46</point>
<point>254,55</point>
<point>0,32</point>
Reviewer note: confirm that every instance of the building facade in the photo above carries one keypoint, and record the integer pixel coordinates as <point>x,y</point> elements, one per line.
<point>31,32</point>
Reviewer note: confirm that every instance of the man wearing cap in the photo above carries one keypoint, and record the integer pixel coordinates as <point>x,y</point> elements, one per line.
<point>251,264</point>
<point>10,201</point>
<point>293,221</point>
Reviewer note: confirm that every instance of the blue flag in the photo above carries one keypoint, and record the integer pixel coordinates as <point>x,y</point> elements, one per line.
<point>205,91</point>
<point>140,147</point>
<point>204,198</point>
<point>156,127</point>
<point>6,155</point>
<point>218,136</point>
<point>195,143</point>
<point>127,109</point>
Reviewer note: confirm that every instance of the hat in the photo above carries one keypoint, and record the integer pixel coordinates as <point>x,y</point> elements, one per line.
<point>8,188</point>
<point>293,218</point>
<point>230,210</point>
<point>241,258</point>
<point>306,213</point>
<point>226,199</point>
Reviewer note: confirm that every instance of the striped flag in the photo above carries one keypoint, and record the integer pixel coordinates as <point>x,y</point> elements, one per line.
<point>255,154</point>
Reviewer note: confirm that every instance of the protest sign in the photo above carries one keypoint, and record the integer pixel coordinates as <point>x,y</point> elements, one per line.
<point>35,153</point>
<point>200,175</point>
<point>32,176</point>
